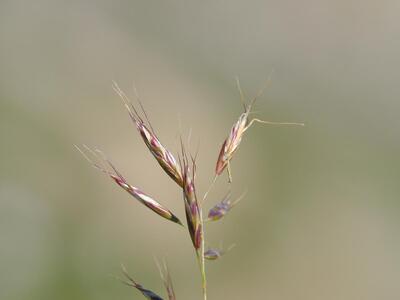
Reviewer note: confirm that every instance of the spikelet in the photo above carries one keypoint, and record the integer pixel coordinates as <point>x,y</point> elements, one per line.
<point>214,254</point>
<point>164,157</point>
<point>223,207</point>
<point>192,208</point>
<point>230,145</point>
<point>120,180</point>
<point>232,142</point>
<point>131,282</point>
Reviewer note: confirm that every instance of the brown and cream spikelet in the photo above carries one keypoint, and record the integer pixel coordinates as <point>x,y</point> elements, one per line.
<point>164,157</point>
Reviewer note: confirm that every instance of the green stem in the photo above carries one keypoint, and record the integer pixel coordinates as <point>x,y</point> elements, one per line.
<point>200,258</point>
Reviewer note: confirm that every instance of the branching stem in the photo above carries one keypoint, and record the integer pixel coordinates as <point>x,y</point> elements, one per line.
<point>209,189</point>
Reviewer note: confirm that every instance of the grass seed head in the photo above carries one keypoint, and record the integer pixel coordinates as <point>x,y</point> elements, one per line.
<point>164,157</point>
<point>214,254</point>
<point>192,208</point>
<point>234,138</point>
<point>222,208</point>
<point>238,129</point>
<point>231,143</point>
<point>108,168</point>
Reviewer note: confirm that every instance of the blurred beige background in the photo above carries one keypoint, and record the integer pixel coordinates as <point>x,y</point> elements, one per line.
<point>321,219</point>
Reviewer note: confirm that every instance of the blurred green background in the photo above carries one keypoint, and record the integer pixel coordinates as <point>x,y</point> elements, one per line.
<point>321,217</point>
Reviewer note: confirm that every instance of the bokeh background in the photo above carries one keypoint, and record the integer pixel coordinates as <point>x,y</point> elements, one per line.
<point>321,216</point>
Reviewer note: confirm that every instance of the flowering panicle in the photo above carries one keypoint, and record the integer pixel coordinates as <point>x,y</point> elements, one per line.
<point>222,208</point>
<point>164,157</point>
<point>131,282</point>
<point>183,172</point>
<point>192,208</point>
<point>120,180</point>
<point>232,142</point>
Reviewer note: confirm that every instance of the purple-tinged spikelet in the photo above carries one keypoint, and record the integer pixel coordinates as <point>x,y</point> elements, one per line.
<point>222,208</point>
<point>192,208</point>
<point>133,191</point>
<point>232,142</point>
<point>131,282</point>
<point>213,254</point>
<point>164,157</point>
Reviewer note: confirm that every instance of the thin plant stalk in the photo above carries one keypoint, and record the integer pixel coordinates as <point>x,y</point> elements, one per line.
<point>209,189</point>
<point>200,257</point>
